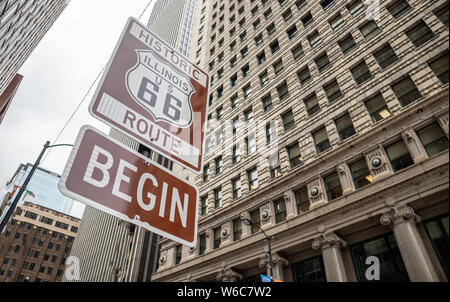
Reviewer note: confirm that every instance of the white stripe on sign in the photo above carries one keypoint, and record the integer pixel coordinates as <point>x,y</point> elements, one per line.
<point>147,129</point>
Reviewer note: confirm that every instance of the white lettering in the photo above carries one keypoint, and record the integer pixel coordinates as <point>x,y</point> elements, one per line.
<point>93,163</point>
<point>182,209</point>
<point>151,197</point>
<point>121,177</point>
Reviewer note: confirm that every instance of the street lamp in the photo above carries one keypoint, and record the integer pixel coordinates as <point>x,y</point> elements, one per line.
<point>247,221</point>
<point>25,184</point>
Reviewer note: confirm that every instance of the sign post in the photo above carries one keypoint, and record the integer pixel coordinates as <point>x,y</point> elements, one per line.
<point>155,95</point>
<point>104,174</point>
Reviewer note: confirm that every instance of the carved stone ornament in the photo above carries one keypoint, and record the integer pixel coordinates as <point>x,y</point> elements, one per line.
<point>265,215</point>
<point>341,169</point>
<point>376,162</point>
<point>224,234</point>
<point>287,197</point>
<point>314,191</point>
<point>276,259</point>
<point>399,215</point>
<point>327,241</point>
<point>192,250</point>
<point>228,275</point>
<point>407,135</point>
<point>162,260</point>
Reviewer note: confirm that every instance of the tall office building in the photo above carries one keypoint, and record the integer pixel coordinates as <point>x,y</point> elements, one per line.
<point>23,23</point>
<point>329,130</point>
<point>41,190</point>
<point>8,94</point>
<point>126,252</point>
<point>173,21</point>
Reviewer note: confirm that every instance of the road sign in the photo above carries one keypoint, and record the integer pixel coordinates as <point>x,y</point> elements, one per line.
<point>156,95</point>
<point>104,174</point>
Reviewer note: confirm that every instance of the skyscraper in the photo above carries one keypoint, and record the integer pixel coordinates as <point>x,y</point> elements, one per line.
<point>8,94</point>
<point>22,26</point>
<point>328,129</point>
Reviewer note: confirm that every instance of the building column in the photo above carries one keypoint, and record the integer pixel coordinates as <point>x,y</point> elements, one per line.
<point>403,221</point>
<point>278,265</point>
<point>331,246</point>
<point>345,177</point>
<point>228,275</point>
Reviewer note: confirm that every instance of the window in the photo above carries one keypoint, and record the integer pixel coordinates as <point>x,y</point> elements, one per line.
<point>287,14</point>
<point>267,103</point>
<point>283,91</point>
<point>242,22</point>
<point>205,173</point>
<point>297,52</point>
<point>398,8</point>
<point>245,70</point>
<point>355,7</point>
<point>361,73</point>
<point>219,162</point>
<point>282,2</point>
<point>347,44</point>
<point>204,205</point>
<point>278,67</point>
<point>406,91</point>
<point>274,46</point>
<point>288,120</point>
<point>304,75</point>
<point>218,198</point>
<point>433,139</point>
<point>399,155</point>
<point>274,165</point>
<point>333,186</point>
<point>270,29</point>
<point>332,91</point>
<point>292,31</point>
<point>419,34</point>
<point>233,80</point>
<point>280,210</point>
<point>361,174</point>
<point>244,52</point>
<point>46,220</point>
<point>322,62</point>
<point>312,104</point>
<point>235,125</point>
<point>178,251</point>
<point>314,39</point>
<point>248,114</point>
<point>217,239</point>
<point>236,184</point>
<point>251,144</point>
<point>261,57</point>
<point>442,15</point>
<point>31,215</point>
<point>220,89</point>
<point>300,4</point>
<point>321,140</point>
<point>252,179</point>
<point>345,127</point>
<point>369,30</point>
<point>256,24</point>
<point>255,10</point>
<point>440,68</point>
<point>258,39</point>
<point>268,13</point>
<point>437,230</point>
<point>307,19</point>
<point>326,4</point>
<point>219,137</point>
<point>385,56</point>
<point>271,132</point>
<point>377,108</point>
<point>202,244</point>
<point>256,221</point>
<point>233,47</point>
<point>336,22</point>
<point>237,229</point>
<point>302,200</point>
<point>295,156</point>
<point>310,270</point>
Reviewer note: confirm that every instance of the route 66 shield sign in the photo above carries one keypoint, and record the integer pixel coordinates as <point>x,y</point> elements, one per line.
<point>152,80</point>
<point>155,95</point>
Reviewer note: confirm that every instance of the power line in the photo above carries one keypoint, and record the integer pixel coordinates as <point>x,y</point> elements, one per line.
<point>87,93</point>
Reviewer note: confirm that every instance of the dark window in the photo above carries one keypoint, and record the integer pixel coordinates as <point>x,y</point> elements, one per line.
<point>385,56</point>
<point>310,270</point>
<point>336,22</point>
<point>326,4</point>
<point>419,34</point>
<point>264,78</point>
<point>274,46</point>
<point>377,108</point>
<point>307,19</point>
<point>295,156</point>
<point>355,7</point>
<point>283,91</point>
<point>274,165</point>
<point>256,219</point>
<point>237,229</point>
<point>398,8</point>
<point>219,163</point>
<point>218,198</point>
<point>361,73</point>
<point>202,244</point>
<point>288,120</point>
<point>261,57</point>
<point>345,127</point>
<point>278,67</point>
<point>437,230</point>
<point>205,173</point>
<point>347,44</point>
<point>236,154</point>
<point>314,39</point>
<point>406,91</point>
<point>433,139</point>
<point>332,91</point>
<point>304,75</point>
<point>442,15</point>
<point>312,104</point>
<point>236,184</point>
<point>321,140</point>
<point>300,4</point>
<point>399,155</point>
<point>217,239</point>
<point>302,200</point>
<point>204,205</point>
<point>333,186</point>
<point>292,31</point>
<point>361,174</point>
<point>31,215</point>
<point>322,62</point>
<point>297,52</point>
<point>392,268</point>
<point>252,179</point>
<point>267,103</point>
<point>440,68</point>
<point>280,210</point>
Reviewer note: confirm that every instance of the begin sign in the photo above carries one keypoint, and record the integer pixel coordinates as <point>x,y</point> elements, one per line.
<point>106,175</point>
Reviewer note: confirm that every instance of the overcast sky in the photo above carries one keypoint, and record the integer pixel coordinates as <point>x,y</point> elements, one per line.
<point>57,75</point>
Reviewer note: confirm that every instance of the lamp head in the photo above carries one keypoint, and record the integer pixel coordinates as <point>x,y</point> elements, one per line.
<point>247,221</point>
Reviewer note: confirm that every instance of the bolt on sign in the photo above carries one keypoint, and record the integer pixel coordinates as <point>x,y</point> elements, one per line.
<point>104,174</point>
<point>156,95</point>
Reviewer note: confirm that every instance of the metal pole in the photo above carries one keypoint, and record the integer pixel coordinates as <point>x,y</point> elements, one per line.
<point>22,188</point>
<point>270,254</point>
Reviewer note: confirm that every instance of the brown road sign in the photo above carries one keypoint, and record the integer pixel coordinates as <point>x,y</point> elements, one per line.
<point>156,95</point>
<point>104,174</point>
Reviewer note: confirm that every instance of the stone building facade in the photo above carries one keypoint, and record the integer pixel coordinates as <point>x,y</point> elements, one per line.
<point>36,244</point>
<point>339,149</point>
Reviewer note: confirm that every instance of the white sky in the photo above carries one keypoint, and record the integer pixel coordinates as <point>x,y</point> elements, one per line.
<point>57,75</point>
